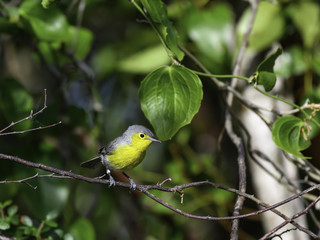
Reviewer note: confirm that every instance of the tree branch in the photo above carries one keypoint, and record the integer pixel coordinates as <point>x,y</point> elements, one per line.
<point>146,190</point>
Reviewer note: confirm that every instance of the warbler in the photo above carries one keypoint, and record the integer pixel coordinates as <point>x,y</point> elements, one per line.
<point>124,152</point>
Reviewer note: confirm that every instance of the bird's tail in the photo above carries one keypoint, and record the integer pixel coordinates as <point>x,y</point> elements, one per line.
<point>92,163</point>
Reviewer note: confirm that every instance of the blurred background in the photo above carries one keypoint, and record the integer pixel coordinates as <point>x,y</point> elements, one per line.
<point>91,57</point>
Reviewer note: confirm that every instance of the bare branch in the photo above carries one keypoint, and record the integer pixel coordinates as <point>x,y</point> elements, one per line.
<point>146,190</point>
<point>31,115</point>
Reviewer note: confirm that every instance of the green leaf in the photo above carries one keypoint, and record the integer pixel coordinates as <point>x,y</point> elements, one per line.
<point>82,229</point>
<point>51,223</point>
<point>287,135</point>
<point>158,13</point>
<point>170,96</point>
<point>12,210</point>
<point>144,61</point>
<point>265,75</point>
<point>5,204</point>
<point>46,3</point>
<point>211,29</point>
<point>52,215</point>
<point>268,26</point>
<point>26,220</point>
<point>4,225</point>
<point>79,41</point>
<point>47,24</point>
<point>306,16</point>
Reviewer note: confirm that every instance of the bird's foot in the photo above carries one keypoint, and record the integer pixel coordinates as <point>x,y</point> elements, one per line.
<point>112,182</point>
<point>133,185</point>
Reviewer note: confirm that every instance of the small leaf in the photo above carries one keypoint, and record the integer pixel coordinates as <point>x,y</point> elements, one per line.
<point>51,223</point>
<point>158,13</point>
<point>265,75</point>
<point>52,215</point>
<point>170,97</point>
<point>12,210</point>
<point>4,225</point>
<point>5,204</point>
<point>26,221</point>
<point>287,135</point>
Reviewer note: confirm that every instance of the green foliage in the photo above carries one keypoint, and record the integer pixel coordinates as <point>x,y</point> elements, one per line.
<point>170,97</point>
<point>15,102</point>
<point>24,227</point>
<point>144,61</point>
<point>306,16</point>
<point>265,75</point>
<point>51,28</point>
<point>211,30</point>
<point>268,26</point>
<point>82,229</point>
<point>158,14</point>
<point>290,134</point>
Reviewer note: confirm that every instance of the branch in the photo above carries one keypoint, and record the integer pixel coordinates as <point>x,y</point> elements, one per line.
<point>31,115</point>
<point>228,124</point>
<point>146,190</point>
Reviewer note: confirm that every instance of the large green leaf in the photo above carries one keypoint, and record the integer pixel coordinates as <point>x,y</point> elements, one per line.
<point>170,96</point>
<point>47,24</point>
<point>158,13</point>
<point>265,75</point>
<point>287,135</point>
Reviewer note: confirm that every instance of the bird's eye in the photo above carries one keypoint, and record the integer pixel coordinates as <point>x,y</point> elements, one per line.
<point>141,135</point>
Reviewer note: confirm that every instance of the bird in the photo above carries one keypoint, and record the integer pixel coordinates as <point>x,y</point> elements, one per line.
<point>124,152</point>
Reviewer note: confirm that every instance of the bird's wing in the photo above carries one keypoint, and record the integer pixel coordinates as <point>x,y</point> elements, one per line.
<point>111,146</point>
<point>92,163</point>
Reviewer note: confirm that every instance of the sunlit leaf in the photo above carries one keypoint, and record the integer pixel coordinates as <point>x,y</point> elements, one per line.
<point>306,16</point>
<point>145,61</point>
<point>268,26</point>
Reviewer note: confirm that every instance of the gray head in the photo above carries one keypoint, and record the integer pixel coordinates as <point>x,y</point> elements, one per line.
<point>141,129</point>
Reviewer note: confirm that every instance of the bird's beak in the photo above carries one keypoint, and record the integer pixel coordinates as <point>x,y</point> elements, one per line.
<point>154,139</point>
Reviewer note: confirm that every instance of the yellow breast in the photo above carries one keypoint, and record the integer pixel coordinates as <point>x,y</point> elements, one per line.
<point>128,156</point>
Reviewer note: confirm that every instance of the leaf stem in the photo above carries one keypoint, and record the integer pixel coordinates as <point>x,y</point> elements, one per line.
<point>155,29</point>
<point>221,76</point>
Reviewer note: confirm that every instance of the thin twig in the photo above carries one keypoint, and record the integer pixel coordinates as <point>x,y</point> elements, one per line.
<point>31,116</point>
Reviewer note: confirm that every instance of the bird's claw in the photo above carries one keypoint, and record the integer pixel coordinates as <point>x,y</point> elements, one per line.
<point>112,182</point>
